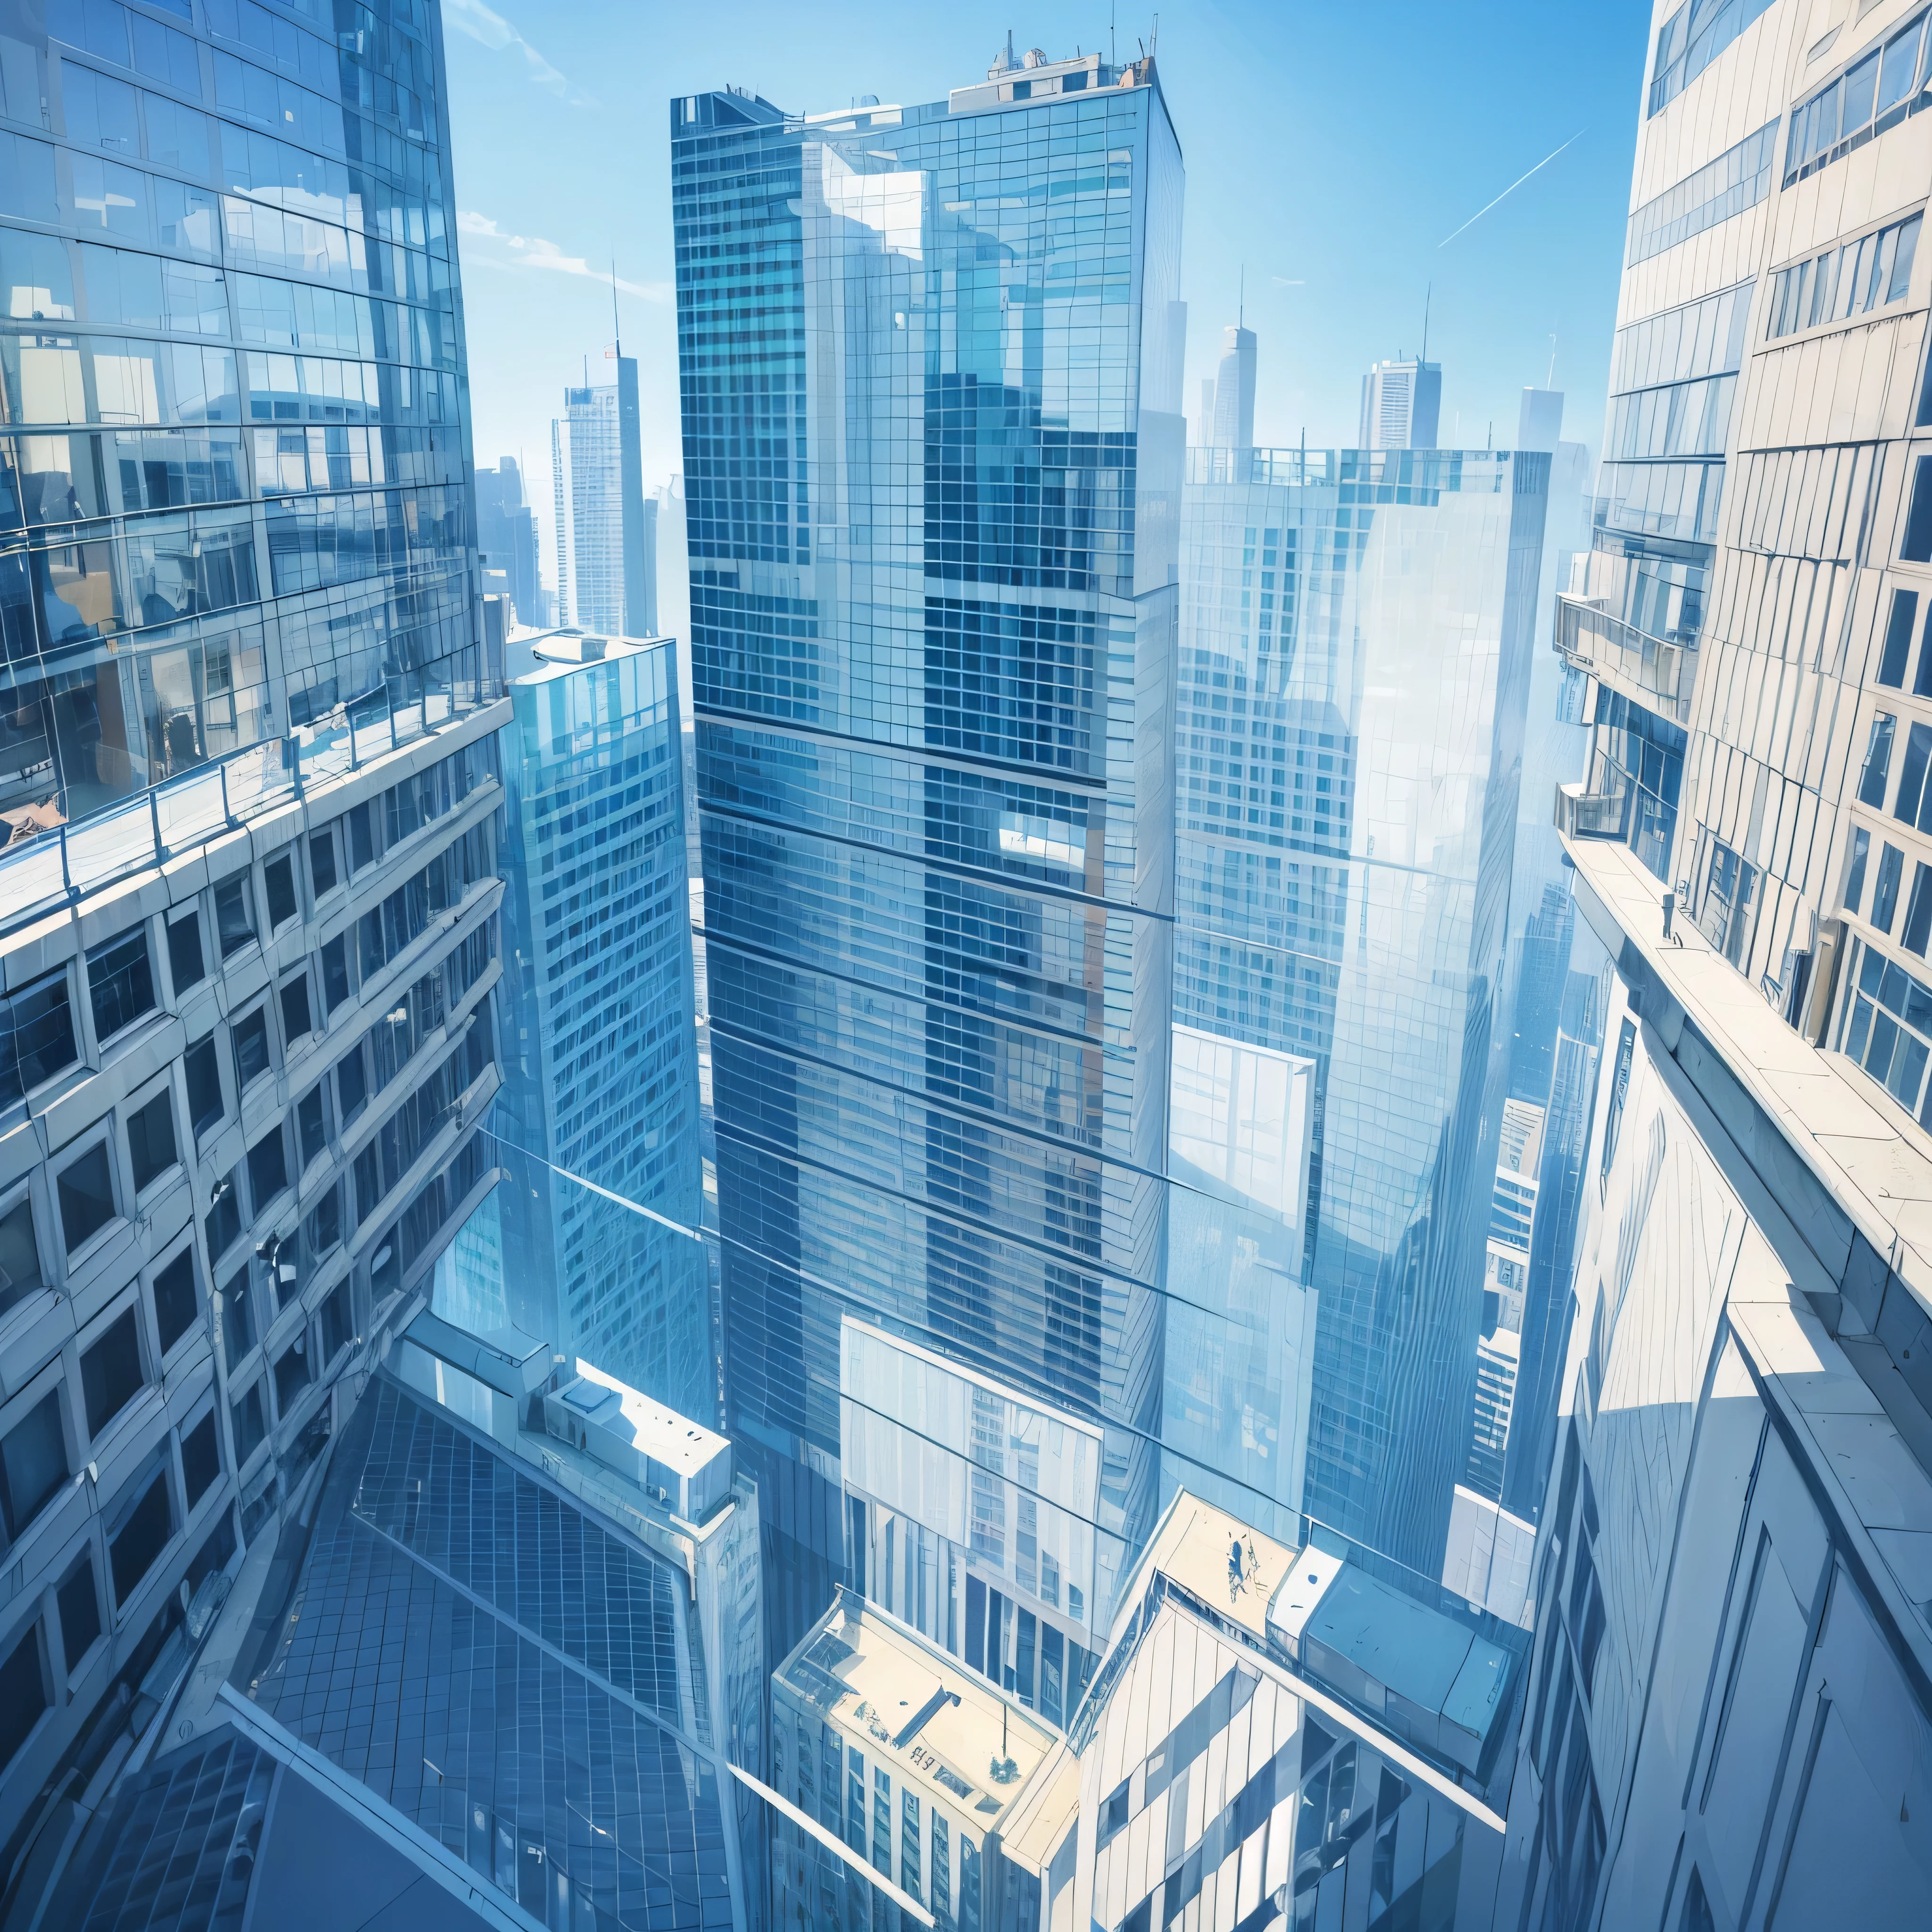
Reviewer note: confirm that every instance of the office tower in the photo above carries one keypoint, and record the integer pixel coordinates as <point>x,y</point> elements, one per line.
<point>1401,402</point>
<point>602,1077</point>
<point>1280,1736</point>
<point>504,1678</point>
<point>247,902</point>
<point>506,536</point>
<point>1355,640</point>
<point>1233,412</point>
<point>1728,1721</point>
<point>606,560</point>
<point>935,778</point>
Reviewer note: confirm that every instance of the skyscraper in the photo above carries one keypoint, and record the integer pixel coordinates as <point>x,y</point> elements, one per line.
<point>506,536</point>
<point>606,551</point>
<point>601,1058</point>
<point>1401,402</point>
<point>932,638</point>
<point>1729,1721</point>
<point>1354,667</point>
<point>1235,392</point>
<point>247,898</point>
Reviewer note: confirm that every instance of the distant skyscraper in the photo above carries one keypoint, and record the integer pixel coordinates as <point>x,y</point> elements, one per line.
<point>602,1059</point>
<point>1355,664</point>
<point>606,564</point>
<point>1401,404</point>
<point>1235,391</point>
<point>935,787</point>
<point>506,535</point>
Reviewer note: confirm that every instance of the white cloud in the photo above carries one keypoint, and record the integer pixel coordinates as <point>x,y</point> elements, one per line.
<point>1282,282</point>
<point>495,33</point>
<point>532,251</point>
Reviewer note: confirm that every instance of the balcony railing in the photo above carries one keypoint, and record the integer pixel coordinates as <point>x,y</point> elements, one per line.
<point>1590,639</point>
<point>1588,814</point>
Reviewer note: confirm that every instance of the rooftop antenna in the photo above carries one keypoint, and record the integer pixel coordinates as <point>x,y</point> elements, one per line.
<point>1428,297</point>
<point>616,327</point>
<point>1113,7</point>
<point>1550,382</point>
<point>1241,305</point>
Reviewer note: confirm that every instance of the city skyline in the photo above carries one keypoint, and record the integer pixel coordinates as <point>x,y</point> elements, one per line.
<point>1539,264</point>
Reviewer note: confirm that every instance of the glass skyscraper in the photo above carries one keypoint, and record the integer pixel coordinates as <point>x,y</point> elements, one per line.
<point>601,1055</point>
<point>931,360</point>
<point>1354,666</point>
<point>605,533</point>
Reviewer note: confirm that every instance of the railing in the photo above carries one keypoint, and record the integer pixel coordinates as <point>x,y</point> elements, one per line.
<point>65,862</point>
<point>1590,639</point>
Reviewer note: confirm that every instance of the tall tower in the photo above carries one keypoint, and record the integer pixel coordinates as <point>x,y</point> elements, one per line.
<point>606,570</point>
<point>934,790</point>
<point>1401,402</point>
<point>1235,391</point>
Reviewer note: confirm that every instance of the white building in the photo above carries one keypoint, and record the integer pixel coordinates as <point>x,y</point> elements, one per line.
<point>1402,405</point>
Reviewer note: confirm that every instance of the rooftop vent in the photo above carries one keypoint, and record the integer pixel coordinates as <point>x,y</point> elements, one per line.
<point>1035,57</point>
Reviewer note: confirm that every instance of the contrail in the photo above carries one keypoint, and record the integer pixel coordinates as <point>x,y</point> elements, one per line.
<point>1511,189</point>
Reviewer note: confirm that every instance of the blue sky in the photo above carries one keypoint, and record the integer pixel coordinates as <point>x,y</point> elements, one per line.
<point>1331,149</point>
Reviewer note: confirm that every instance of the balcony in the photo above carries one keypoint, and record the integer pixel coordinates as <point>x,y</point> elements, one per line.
<point>1660,675</point>
<point>1587,815</point>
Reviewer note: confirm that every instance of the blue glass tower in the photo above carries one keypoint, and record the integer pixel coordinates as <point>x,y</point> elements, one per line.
<point>930,359</point>
<point>600,1048</point>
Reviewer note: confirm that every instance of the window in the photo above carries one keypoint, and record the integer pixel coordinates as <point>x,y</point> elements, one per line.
<point>36,1035</point>
<point>322,861</point>
<point>1918,912</point>
<point>312,1122</point>
<point>143,1534</point>
<point>1855,872</point>
<point>335,973</point>
<point>1885,897</point>
<point>1738,179</point>
<point>292,1375</point>
<point>361,837</point>
<point>201,1460</point>
<point>120,982</point>
<point>268,1168</point>
<point>352,1084</point>
<point>1870,273</point>
<point>295,1020</point>
<point>1730,893</point>
<point>1878,760</point>
<point>33,1465</point>
<point>86,1191</point>
<point>1898,638</point>
<point>1613,1117</point>
<point>336,1332</point>
<point>1912,803</point>
<point>1890,1032</point>
<point>246,1415</point>
<point>1917,548</point>
<point>234,915</point>
<point>203,1069</point>
<point>1870,96</point>
<point>23,1694</point>
<point>1691,39</point>
<point>278,888</point>
<point>224,1226</point>
<point>185,964</point>
<point>151,1140</point>
<point>19,1256</point>
<point>176,1304</point>
<point>79,1612</point>
<point>237,1324</point>
<point>251,1048</point>
<point>110,1373</point>
<point>325,1223</point>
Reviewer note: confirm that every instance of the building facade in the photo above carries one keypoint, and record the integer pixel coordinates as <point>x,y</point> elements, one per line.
<point>249,885</point>
<point>605,532</point>
<point>1730,1711</point>
<point>506,537</point>
<point>932,641</point>
<point>602,1081</point>
<point>1355,660</point>
<point>1402,405</point>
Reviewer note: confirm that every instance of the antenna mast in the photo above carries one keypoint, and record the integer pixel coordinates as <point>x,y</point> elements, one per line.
<point>616,327</point>
<point>1428,297</point>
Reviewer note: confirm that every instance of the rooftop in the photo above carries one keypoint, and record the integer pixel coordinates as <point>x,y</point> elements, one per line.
<point>903,1702</point>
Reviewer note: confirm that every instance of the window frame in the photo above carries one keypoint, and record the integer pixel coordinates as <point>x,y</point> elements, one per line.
<point>25,1192</point>
<point>161,1087</point>
<point>189,916</point>
<point>100,1135</point>
<point>141,930</point>
<point>130,1302</point>
<point>152,1273</point>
